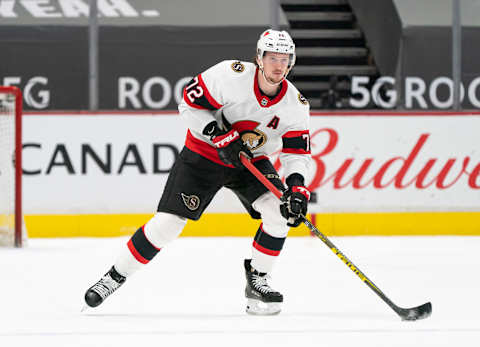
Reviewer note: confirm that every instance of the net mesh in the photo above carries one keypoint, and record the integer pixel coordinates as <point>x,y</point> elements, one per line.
<point>7,169</point>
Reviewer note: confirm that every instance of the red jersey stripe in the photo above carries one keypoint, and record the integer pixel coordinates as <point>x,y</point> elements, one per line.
<point>295,133</point>
<point>203,148</point>
<point>207,94</point>
<point>295,151</point>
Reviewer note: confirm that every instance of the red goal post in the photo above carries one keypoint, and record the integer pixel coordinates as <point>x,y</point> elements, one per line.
<point>12,230</point>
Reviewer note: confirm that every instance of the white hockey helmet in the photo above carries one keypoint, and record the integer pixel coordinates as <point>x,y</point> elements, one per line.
<point>276,41</point>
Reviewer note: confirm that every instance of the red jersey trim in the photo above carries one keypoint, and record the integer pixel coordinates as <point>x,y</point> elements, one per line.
<point>295,151</point>
<point>206,93</point>
<point>263,100</point>
<point>204,149</point>
<point>295,133</point>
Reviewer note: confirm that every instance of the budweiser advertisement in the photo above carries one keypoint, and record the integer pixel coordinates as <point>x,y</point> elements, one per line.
<point>392,162</point>
<point>119,163</point>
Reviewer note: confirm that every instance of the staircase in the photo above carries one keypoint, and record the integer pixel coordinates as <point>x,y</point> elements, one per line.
<point>330,49</point>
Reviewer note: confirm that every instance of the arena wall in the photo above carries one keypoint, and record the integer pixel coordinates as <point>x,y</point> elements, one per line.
<point>102,174</point>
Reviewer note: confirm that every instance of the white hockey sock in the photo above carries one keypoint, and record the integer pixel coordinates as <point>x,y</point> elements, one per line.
<point>147,241</point>
<point>126,264</point>
<point>262,262</point>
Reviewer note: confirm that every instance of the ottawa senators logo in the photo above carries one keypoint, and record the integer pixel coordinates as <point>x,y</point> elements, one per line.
<point>191,201</point>
<point>302,99</point>
<point>238,66</point>
<point>254,139</point>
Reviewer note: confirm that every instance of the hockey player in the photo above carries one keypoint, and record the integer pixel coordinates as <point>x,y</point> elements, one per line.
<point>230,108</point>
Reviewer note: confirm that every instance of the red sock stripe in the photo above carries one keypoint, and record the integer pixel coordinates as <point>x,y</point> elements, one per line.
<point>265,250</point>
<point>135,253</point>
<point>267,244</point>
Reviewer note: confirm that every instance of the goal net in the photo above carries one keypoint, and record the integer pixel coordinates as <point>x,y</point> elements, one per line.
<point>12,226</point>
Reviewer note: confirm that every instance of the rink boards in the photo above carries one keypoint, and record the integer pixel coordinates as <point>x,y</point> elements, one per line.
<point>373,174</point>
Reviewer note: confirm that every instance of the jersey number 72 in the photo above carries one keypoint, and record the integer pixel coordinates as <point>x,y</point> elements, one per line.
<point>194,90</point>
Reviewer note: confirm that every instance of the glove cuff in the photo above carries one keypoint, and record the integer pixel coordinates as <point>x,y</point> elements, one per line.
<point>211,129</point>
<point>295,179</point>
<point>224,140</point>
<point>302,190</point>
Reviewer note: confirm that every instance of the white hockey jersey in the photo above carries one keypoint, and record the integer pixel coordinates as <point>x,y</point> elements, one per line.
<point>229,93</point>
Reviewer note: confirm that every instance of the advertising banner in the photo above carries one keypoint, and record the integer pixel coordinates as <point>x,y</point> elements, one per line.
<point>140,68</point>
<point>119,163</point>
<point>148,50</point>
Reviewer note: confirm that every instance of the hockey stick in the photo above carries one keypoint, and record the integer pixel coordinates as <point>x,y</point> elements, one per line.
<point>410,314</point>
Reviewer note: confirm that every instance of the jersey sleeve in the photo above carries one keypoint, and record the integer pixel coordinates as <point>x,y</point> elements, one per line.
<point>295,155</point>
<point>202,97</point>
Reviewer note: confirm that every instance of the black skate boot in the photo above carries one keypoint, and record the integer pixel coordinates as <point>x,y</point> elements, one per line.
<point>109,283</point>
<point>261,299</point>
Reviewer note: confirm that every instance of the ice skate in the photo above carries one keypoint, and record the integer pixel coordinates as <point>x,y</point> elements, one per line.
<point>109,283</point>
<point>261,299</point>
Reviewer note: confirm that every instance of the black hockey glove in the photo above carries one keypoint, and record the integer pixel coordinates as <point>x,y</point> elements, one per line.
<point>228,144</point>
<point>294,201</point>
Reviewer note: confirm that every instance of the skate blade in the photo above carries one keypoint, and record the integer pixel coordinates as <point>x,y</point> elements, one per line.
<point>260,308</point>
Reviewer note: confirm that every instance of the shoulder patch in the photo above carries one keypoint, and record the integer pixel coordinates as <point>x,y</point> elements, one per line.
<point>302,99</point>
<point>237,66</point>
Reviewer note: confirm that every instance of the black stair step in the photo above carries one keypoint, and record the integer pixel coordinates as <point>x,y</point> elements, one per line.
<point>332,56</point>
<point>305,34</point>
<point>315,103</point>
<point>317,78</point>
<point>314,2</point>
<point>332,61</point>
<point>316,7</point>
<point>320,25</point>
<point>328,37</point>
<point>322,93</point>
<point>331,52</point>
<point>330,42</point>
<point>319,103</point>
<point>308,86</point>
<point>309,16</point>
<point>328,70</point>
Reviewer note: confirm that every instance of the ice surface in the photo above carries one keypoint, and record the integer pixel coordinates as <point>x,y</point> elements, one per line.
<point>192,294</point>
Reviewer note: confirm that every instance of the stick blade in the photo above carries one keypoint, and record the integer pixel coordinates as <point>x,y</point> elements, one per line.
<point>416,313</point>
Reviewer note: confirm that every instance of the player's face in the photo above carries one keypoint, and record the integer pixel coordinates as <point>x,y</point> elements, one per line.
<point>275,65</point>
